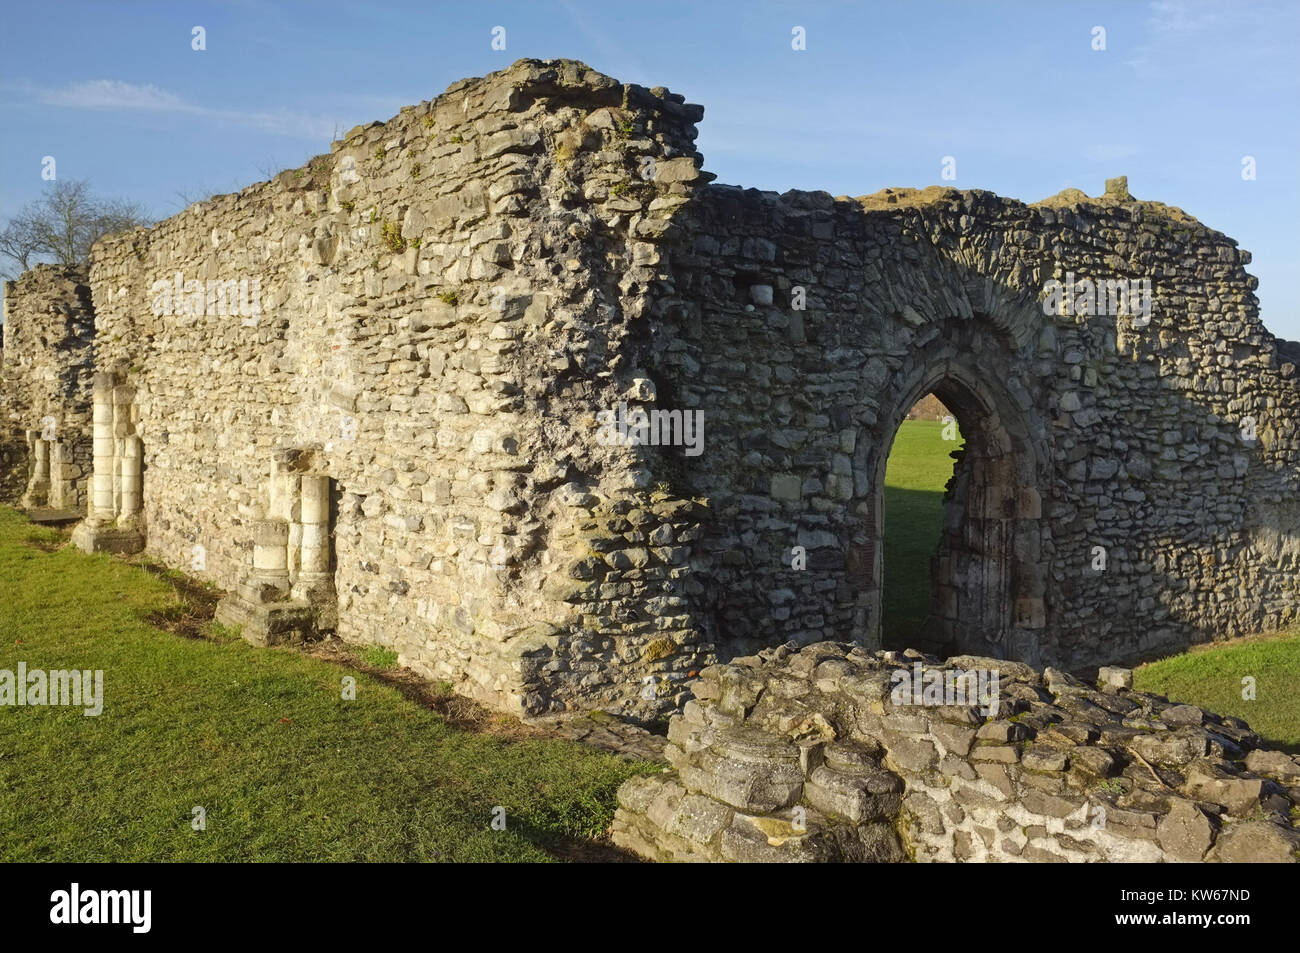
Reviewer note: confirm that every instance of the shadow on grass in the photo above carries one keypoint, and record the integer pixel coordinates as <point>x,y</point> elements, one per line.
<point>46,539</point>
<point>913,525</point>
<point>196,603</point>
<point>575,850</point>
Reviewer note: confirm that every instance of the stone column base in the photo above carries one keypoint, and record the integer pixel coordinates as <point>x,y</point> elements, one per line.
<point>271,623</point>
<point>313,587</point>
<point>36,495</point>
<point>106,538</point>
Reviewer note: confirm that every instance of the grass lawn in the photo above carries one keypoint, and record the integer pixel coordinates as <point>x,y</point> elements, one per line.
<point>918,468</point>
<point>260,738</point>
<point>1211,677</point>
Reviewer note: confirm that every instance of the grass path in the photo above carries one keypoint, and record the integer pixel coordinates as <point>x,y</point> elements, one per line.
<point>260,738</point>
<point>918,468</point>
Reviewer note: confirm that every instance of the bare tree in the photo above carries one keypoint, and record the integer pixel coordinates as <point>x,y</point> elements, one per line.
<point>187,197</point>
<point>269,169</point>
<point>20,242</point>
<point>61,226</point>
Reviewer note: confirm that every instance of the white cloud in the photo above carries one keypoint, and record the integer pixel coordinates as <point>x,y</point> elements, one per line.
<point>111,94</point>
<point>1176,16</point>
<point>116,95</point>
<point>1199,36</point>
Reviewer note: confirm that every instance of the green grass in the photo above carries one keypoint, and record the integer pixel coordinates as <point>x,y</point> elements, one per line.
<point>918,468</point>
<point>260,738</point>
<point>1212,678</point>
<point>378,656</point>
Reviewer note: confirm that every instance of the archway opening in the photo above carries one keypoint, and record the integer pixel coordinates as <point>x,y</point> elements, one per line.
<point>985,577</point>
<point>918,474</point>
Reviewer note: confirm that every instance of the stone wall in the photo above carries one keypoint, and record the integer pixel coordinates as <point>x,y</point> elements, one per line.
<point>1125,489</point>
<point>440,304</point>
<point>833,753</point>
<point>14,463</point>
<point>45,383</point>
<point>373,396</point>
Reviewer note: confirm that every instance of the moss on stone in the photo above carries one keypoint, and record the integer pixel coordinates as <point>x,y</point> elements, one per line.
<point>658,649</point>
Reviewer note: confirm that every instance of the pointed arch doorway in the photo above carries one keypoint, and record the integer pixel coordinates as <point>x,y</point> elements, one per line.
<point>986,577</point>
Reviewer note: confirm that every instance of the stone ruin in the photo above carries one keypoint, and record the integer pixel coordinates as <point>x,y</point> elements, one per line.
<point>834,753</point>
<point>380,396</point>
<point>46,369</point>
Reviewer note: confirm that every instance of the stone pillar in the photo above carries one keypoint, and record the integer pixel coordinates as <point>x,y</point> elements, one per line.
<point>101,504</point>
<point>41,474</point>
<point>59,489</point>
<point>38,488</point>
<point>292,488</point>
<point>288,595</point>
<point>314,580</point>
<point>259,607</point>
<point>279,492</point>
<point>122,429</point>
<point>283,497</point>
<point>42,469</point>
<point>270,559</point>
<point>116,485</point>
<point>132,471</point>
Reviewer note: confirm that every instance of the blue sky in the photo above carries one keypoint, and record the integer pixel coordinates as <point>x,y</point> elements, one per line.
<point>1012,90</point>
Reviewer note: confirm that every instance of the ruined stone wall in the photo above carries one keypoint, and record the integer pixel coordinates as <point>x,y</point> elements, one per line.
<point>14,458</point>
<point>436,316</point>
<point>442,301</point>
<point>45,384</point>
<point>833,753</point>
<point>1082,431</point>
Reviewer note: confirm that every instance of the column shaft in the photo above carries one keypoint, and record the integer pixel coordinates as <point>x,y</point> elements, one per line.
<point>132,470</point>
<point>101,508</point>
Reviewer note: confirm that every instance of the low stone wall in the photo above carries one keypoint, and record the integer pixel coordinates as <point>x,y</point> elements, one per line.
<point>833,753</point>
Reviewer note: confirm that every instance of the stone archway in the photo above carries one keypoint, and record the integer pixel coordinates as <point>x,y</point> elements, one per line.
<point>987,576</point>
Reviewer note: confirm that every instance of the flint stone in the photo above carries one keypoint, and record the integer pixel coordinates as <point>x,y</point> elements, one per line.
<point>1185,832</point>
<point>1255,842</point>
